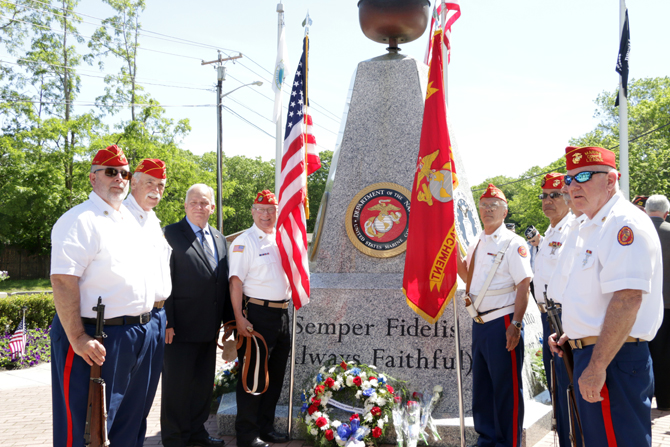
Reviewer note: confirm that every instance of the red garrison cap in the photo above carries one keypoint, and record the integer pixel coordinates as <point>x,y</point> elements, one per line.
<point>492,192</point>
<point>578,157</point>
<point>152,166</point>
<point>110,156</point>
<point>265,197</point>
<point>640,201</point>
<point>553,180</point>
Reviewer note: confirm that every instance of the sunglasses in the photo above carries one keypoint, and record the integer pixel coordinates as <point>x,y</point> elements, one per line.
<point>582,177</point>
<point>552,195</point>
<point>112,172</point>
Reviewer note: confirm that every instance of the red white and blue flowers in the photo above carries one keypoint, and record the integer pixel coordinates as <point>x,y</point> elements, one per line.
<point>362,385</point>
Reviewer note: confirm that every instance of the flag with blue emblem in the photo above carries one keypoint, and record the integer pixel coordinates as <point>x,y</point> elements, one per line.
<point>279,75</point>
<point>299,159</point>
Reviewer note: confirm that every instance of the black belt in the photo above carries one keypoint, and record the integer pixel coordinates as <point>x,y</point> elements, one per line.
<point>120,321</point>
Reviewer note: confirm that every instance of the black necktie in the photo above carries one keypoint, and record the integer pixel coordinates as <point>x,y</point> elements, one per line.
<point>208,250</point>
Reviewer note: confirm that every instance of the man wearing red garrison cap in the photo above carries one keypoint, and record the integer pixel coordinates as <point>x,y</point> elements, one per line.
<point>546,263</point>
<point>612,303</point>
<point>259,286</point>
<point>498,273</point>
<point>98,251</point>
<point>147,187</point>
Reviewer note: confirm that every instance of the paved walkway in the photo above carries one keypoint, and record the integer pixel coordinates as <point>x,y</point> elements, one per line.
<point>25,414</point>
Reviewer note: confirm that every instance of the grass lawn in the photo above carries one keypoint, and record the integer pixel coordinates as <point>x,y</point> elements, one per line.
<point>25,285</point>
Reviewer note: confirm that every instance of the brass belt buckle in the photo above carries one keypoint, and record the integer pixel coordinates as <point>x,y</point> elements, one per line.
<point>478,319</point>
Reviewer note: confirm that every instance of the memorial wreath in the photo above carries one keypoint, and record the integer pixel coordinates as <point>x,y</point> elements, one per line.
<point>349,382</point>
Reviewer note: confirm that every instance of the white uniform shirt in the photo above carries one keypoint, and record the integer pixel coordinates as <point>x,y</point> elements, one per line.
<point>104,248</point>
<point>616,250</point>
<point>559,278</point>
<point>550,249</point>
<point>514,268</point>
<point>155,241</point>
<point>254,258</point>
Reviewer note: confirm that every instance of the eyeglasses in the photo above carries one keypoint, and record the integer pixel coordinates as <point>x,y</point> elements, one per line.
<point>265,210</point>
<point>112,172</point>
<point>552,195</point>
<point>483,206</point>
<point>582,177</point>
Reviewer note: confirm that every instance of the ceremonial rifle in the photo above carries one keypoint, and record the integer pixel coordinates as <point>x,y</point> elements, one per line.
<point>557,327</point>
<point>95,433</point>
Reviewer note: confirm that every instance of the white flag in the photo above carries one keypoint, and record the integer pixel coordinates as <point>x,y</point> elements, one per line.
<point>281,68</point>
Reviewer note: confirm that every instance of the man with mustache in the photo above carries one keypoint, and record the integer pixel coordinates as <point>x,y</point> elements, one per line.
<point>98,251</point>
<point>612,303</point>
<point>557,211</point>
<point>147,187</point>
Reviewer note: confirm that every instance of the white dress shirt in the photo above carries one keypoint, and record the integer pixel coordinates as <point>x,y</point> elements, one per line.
<point>104,248</point>
<point>616,250</point>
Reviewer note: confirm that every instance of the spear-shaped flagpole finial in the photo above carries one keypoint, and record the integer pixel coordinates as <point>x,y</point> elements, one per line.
<point>307,23</point>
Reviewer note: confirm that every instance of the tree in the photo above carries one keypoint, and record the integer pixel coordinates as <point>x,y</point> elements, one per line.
<point>316,186</point>
<point>248,176</point>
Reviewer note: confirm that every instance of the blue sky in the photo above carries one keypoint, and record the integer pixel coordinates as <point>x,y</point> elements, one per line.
<point>522,79</point>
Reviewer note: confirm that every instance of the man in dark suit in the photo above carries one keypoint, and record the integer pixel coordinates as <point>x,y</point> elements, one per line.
<point>195,310</point>
<point>657,208</point>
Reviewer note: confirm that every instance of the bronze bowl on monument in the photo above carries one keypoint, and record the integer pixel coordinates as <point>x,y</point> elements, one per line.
<point>393,21</point>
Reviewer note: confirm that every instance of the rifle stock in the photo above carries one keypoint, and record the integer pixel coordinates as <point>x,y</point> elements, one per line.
<point>95,433</point>
<point>556,325</point>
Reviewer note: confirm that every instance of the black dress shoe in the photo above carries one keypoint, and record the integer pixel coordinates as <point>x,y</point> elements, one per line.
<point>274,438</point>
<point>210,441</point>
<point>256,442</point>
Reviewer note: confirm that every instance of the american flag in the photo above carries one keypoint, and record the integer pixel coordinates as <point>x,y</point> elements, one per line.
<point>299,159</point>
<point>453,13</point>
<point>17,344</point>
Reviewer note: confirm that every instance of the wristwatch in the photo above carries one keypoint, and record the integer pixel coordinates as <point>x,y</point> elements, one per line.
<point>517,324</point>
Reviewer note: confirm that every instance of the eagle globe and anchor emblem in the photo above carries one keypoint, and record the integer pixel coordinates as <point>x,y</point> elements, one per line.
<point>377,220</point>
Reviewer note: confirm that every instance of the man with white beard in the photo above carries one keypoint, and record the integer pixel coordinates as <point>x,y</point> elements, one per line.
<point>147,187</point>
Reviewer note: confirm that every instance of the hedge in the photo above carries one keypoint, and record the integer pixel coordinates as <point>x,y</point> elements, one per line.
<point>40,312</point>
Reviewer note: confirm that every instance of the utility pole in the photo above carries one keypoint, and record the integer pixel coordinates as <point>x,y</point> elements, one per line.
<point>220,77</point>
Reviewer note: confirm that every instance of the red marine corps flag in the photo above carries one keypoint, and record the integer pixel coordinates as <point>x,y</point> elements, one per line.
<point>429,281</point>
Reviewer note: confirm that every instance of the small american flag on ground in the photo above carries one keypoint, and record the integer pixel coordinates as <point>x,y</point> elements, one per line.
<point>17,344</point>
<point>299,159</point>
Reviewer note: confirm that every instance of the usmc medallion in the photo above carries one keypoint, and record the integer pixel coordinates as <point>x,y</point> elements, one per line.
<point>377,220</point>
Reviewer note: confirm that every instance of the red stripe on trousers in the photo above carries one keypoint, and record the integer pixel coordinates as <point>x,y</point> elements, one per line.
<point>607,416</point>
<point>66,392</point>
<point>515,387</point>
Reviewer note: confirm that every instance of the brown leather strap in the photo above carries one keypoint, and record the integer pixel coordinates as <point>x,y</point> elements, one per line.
<point>471,270</point>
<point>228,329</point>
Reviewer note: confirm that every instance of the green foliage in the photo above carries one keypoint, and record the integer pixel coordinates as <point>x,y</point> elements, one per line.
<point>40,313</point>
<point>246,177</point>
<point>316,185</point>
<point>25,285</point>
<point>649,151</point>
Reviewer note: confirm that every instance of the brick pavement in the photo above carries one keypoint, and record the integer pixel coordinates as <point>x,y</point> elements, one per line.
<point>25,418</point>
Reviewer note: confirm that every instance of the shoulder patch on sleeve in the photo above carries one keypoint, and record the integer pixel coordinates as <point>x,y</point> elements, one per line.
<point>238,249</point>
<point>625,236</point>
<point>522,251</point>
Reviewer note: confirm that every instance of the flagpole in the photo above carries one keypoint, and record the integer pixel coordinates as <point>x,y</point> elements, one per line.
<point>279,141</point>
<point>457,332</point>
<point>25,330</point>
<point>623,118</point>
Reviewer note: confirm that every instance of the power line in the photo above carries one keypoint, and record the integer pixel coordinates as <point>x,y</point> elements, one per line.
<point>103,77</point>
<point>234,113</point>
<point>168,39</point>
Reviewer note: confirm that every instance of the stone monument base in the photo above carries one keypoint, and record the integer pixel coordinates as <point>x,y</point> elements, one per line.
<point>536,424</point>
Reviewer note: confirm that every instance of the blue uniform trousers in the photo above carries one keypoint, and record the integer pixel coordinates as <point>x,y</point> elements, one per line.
<point>623,418</point>
<point>126,376</point>
<point>497,395</point>
<point>562,421</point>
